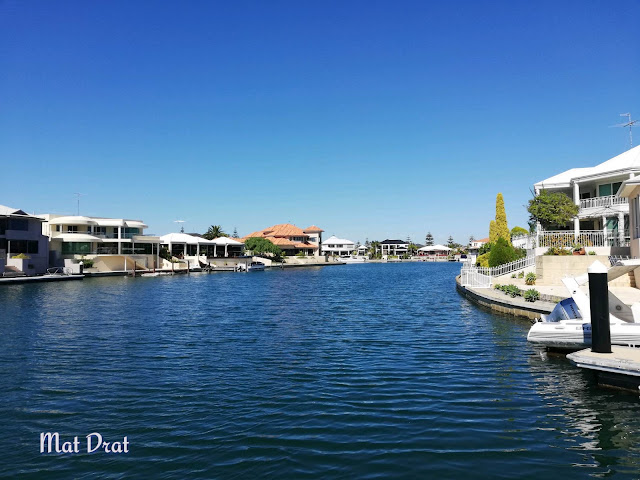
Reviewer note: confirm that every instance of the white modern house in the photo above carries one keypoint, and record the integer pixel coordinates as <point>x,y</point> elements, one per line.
<point>393,247</point>
<point>603,216</point>
<point>338,246</point>
<point>183,245</point>
<point>21,236</point>
<point>113,244</point>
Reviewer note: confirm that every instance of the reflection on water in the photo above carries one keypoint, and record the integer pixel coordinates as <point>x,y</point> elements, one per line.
<point>363,371</point>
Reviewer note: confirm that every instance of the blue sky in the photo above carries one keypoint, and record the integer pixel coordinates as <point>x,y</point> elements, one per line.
<point>370,119</point>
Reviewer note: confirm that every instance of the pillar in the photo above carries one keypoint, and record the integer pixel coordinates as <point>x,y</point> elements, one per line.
<point>599,305</point>
<point>621,228</point>
<point>604,229</point>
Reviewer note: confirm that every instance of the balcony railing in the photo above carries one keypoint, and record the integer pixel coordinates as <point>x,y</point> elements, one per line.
<point>585,238</point>
<point>606,201</point>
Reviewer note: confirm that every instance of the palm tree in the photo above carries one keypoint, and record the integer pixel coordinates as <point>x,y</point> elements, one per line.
<point>215,231</point>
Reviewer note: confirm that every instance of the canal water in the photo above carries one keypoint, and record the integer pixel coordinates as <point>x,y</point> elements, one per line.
<point>357,371</point>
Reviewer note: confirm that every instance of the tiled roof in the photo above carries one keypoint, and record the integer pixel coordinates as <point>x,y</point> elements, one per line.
<point>280,230</point>
<point>313,229</point>
<point>485,240</point>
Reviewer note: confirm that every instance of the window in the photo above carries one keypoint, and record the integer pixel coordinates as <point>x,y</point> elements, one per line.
<point>607,189</point>
<point>22,246</point>
<point>3,225</point>
<point>18,224</point>
<point>100,230</point>
<point>72,248</point>
<point>72,228</point>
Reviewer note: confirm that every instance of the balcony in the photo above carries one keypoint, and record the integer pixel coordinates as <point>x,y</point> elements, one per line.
<point>586,238</point>
<point>602,202</point>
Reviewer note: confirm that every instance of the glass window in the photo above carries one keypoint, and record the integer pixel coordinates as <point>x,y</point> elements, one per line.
<point>18,224</point>
<point>604,190</point>
<point>3,225</point>
<point>71,248</point>
<point>72,228</point>
<point>615,188</point>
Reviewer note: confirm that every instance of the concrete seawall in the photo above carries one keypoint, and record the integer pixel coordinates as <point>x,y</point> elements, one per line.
<point>499,302</point>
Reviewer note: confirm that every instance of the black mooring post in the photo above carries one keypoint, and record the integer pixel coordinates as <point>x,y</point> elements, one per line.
<point>599,303</point>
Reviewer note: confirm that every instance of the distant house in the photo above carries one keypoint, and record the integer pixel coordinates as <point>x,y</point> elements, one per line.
<point>193,245</point>
<point>474,248</point>
<point>21,234</point>
<point>603,216</point>
<point>393,247</point>
<point>292,239</point>
<point>338,246</point>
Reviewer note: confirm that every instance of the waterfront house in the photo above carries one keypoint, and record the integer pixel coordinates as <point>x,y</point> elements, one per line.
<point>393,247</point>
<point>21,235</point>
<point>292,239</point>
<point>192,245</point>
<point>603,216</point>
<point>474,248</point>
<point>435,252</point>
<point>111,244</point>
<point>338,246</point>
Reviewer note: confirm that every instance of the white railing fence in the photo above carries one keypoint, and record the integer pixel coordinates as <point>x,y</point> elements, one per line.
<point>598,202</point>
<point>585,238</point>
<point>481,277</point>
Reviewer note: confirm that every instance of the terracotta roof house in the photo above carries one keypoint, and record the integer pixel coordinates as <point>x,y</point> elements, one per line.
<point>291,239</point>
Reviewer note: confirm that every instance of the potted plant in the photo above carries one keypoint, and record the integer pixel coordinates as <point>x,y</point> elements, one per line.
<point>578,249</point>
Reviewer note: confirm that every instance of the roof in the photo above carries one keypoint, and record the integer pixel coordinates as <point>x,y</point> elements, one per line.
<point>394,242</point>
<point>182,238</point>
<point>280,230</point>
<point>485,240</point>
<point>628,186</point>
<point>435,248</point>
<point>333,239</point>
<point>4,210</point>
<point>626,161</point>
<point>313,229</point>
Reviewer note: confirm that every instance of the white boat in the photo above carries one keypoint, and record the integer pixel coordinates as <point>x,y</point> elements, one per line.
<point>354,259</point>
<point>568,326</point>
<point>256,267</point>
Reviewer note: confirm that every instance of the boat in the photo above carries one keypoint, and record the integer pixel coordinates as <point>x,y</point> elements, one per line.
<point>354,259</point>
<point>256,267</point>
<point>568,326</point>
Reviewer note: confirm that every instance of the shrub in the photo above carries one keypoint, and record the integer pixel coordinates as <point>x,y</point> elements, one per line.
<point>300,254</point>
<point>87,263</point>
<point>483,260</point>
<point>521,275</point>
<point>592,252</point>
<point>531,295</point>
<point>21,256</point>
<point>501,253</point>
<point>513,275</point>
<point>558,251</point>
<point>497,286</point>
<point>530,279</point>
<point>512,290</point>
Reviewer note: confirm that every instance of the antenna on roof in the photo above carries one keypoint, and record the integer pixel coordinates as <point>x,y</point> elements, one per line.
<point>181,226</point>
<point>79,195</point>
<point>630,123</point>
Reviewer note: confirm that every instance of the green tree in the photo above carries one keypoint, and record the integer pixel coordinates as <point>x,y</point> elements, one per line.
<point>493,231</point>
<point>502,252</point>
<point>235,233</point>
<point>471,239</point>
<point>517,231</point>
<point>502,229</point>
<point>551,209</point>
<point>428,240</point>
<point>262,247</point>
<point>450,242</point>
<point>215,231</point>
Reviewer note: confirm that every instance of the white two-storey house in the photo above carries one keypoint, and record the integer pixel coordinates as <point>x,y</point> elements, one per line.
<point>603,216</point>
